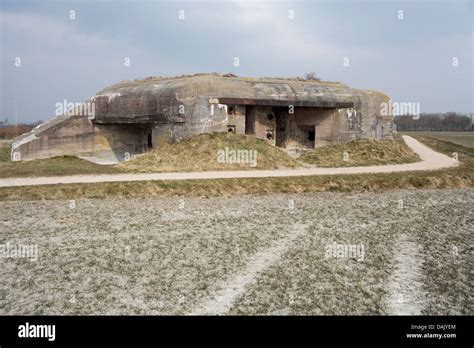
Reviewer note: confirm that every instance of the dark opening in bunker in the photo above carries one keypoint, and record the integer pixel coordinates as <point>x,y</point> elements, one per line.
<point>307,135</point>
<point>150,141</point>
<point>249,119</point>
<point>280,126</point>
<point>270,134</point>
<point>231,128</point>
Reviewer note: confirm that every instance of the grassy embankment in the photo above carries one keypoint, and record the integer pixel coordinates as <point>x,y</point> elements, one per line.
<point>196,154</point>
<point>364,152</point>
<point>200,153</point>
<point>459,177</point>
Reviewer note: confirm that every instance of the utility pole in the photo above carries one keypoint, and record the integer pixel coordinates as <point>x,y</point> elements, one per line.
<point>16,117</point>
<point>16,112</point>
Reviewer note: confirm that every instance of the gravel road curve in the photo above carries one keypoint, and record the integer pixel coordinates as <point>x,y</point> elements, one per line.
<point>430,160</point>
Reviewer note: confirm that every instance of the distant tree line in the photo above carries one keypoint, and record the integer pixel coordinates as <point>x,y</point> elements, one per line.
<point>450,121</point>
<point>9,131</point>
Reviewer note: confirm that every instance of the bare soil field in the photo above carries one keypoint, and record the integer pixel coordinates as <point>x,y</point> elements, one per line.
<point>309,253</point>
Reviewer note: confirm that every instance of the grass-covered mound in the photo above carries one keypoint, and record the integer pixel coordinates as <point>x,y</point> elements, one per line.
<point>214,151</point>
<point>364,152</point>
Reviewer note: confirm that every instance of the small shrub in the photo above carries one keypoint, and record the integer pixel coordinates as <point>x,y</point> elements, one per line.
<point>311,76</point>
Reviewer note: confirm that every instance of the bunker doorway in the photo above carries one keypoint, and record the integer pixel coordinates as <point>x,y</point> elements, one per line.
<point>249,119</point>
<point>150,141</point>
<point>307,136</point>
<point>280,125</point>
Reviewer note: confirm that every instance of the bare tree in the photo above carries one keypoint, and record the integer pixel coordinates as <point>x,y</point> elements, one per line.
<point>311,76</point>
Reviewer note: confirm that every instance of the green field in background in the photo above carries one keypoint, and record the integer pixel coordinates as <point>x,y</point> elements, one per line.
<point>460,138</point>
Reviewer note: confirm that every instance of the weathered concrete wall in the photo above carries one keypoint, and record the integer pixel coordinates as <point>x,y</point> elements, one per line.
<point>161,100</point>
<point>334,128</point>
<point>329,126</point>
<point>78,136</point>
<point>367,118</point>
<point>264,122</point>
<point>201,117</point>
<point>236,118</point>
<point>71,135</point>
<point>125,140</point>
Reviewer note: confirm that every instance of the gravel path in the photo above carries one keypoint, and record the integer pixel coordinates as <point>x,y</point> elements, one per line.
<point>430,160</point>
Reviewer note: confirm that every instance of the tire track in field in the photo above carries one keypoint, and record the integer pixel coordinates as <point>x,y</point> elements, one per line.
<point>233,288</point>
<point>406,282</point>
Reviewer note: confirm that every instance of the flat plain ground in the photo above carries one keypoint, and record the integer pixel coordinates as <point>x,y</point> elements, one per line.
<point>248,254</point>
<point>460,138</point>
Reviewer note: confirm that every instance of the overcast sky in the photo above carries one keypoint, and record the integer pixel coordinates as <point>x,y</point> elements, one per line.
<point>410,59</point>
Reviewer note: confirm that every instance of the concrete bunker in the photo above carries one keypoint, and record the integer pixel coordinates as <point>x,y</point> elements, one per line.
<point>133,117</point>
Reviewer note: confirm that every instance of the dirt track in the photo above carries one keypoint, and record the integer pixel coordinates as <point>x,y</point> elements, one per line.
<point>430,160</point>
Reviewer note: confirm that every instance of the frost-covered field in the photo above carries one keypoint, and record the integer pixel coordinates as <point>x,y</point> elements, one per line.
<point>405,252</point>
